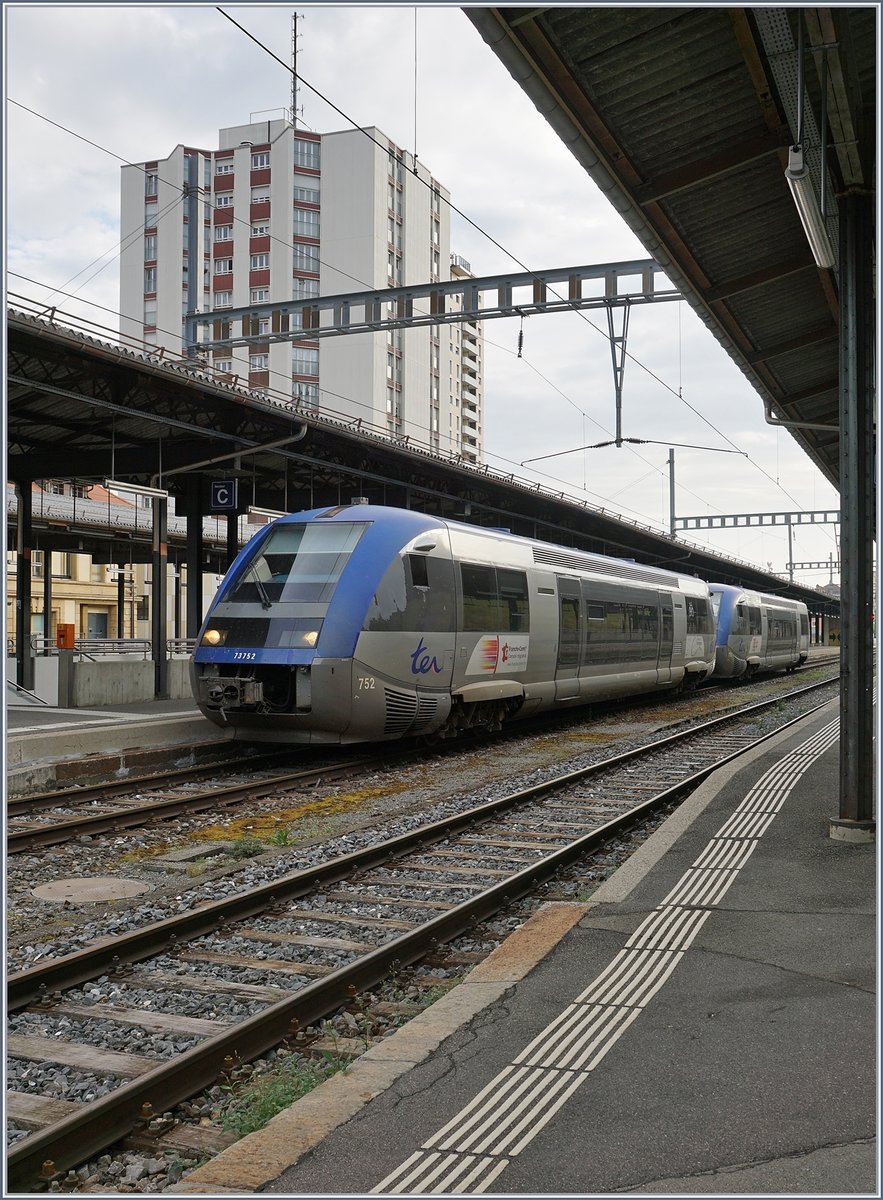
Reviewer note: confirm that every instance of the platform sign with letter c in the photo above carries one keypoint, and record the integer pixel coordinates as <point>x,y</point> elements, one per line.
<point>225,495</point>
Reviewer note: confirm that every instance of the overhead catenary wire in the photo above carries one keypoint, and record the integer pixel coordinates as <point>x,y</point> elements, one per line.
<point>480,230</point>
<point>512,256</point>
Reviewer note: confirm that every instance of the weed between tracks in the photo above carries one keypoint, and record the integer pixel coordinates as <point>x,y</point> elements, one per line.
<point>267,827</point>
<point>251,1100</point>
<point>250,1107</point>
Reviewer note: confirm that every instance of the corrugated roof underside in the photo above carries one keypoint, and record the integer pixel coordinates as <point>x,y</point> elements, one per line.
<point>670,82</point>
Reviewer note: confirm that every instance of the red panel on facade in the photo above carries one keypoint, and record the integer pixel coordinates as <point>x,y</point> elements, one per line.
<point>260,212</point>
<point>222,249</point>
<point>258,279</point>
<point>222,283</point>
<point>262,175</point>
<point>259,245</point>
<point>259,379</point>
<point>224,183</point>
<point>222,216</point>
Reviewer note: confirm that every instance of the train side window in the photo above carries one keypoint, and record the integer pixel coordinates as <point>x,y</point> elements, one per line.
<point>755,627</point>
<point>419,570</point>
<point>514,600</point>
<point>568,646</point>
<point>740,619</point>
<point>494,599</point>
<point>595,612</point>
<point>481,607</point>
<point>403,603</point>
<point>804,625</point>
<point>698,619</point>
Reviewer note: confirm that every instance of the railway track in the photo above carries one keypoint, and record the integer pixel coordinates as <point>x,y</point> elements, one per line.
<point>296,949</point>
<point>53,818</point>
<point>113,808</point>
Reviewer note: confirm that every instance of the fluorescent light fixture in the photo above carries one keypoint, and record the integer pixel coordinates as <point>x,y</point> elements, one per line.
<point>253,511</point>
<point>811,218</point>
<point>136,489</point>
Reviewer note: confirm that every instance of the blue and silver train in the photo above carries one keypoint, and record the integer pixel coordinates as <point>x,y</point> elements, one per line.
<point>361,624</point>
<point>756,632</point>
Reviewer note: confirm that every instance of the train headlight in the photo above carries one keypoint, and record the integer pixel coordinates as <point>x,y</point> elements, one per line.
<point>301,633</point>
<point>214,637</point>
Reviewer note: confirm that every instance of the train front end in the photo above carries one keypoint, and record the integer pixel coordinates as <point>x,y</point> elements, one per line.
<point>278,656</point>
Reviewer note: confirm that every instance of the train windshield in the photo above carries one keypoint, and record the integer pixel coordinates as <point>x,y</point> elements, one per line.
<point>297,562</point>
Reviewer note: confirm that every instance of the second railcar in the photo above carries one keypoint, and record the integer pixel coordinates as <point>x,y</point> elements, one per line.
<point>757,632</point>
<point>364,623</point>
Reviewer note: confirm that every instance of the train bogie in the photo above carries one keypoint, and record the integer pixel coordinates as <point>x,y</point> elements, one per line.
<point>367,624</point>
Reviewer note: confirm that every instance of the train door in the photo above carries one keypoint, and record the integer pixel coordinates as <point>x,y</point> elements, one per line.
<point>570,638</point>
<point>666,639</point>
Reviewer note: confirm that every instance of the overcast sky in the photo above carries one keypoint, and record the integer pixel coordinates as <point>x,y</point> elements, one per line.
<point>137,81</point>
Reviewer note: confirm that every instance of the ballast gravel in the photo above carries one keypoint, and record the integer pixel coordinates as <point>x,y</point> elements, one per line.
<point>429,796</point>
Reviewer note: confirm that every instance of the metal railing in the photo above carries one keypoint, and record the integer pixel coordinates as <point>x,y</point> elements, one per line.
<point>96,647</point>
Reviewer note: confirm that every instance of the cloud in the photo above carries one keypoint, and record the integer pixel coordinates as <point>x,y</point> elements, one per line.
<point>139,80</point>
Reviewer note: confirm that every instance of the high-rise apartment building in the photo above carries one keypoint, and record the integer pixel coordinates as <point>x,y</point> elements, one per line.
<point>277,213</point>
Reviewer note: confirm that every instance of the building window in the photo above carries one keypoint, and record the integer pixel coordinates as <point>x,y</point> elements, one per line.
<point>261,159</point>
<point>260,295</point>
<point>223,299</point>
<point>224,200</point>
<point>259,362</point>
<point>223,233</point>
<point>305,361</point>
<point>306,258</point>
<point>150,279</point>
<point>223,266</point>
<point>261,194</point>
<point>150,247</point>
<point>307,393</point>
<point>308,195</point>
<point>259,262</point>
<point>150,183</point>
<point>61,566</point>
<point>224,365</point>
<point>260,230</point>
<point>307,154</point>
<point>225,167</point>
<point>304,289</point>
<point>306,222</point>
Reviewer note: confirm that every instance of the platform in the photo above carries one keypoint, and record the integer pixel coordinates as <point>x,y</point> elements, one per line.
<point>704,1024</point>
<point>40,738</point>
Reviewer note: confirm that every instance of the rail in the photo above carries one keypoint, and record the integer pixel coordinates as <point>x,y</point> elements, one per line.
<point>91,1128</point>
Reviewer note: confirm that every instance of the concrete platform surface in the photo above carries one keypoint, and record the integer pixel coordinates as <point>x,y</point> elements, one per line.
<point>39,738</point>
<point>704,1024</point>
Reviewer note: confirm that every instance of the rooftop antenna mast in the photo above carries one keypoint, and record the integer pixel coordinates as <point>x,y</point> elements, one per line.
<point>294,87</point>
